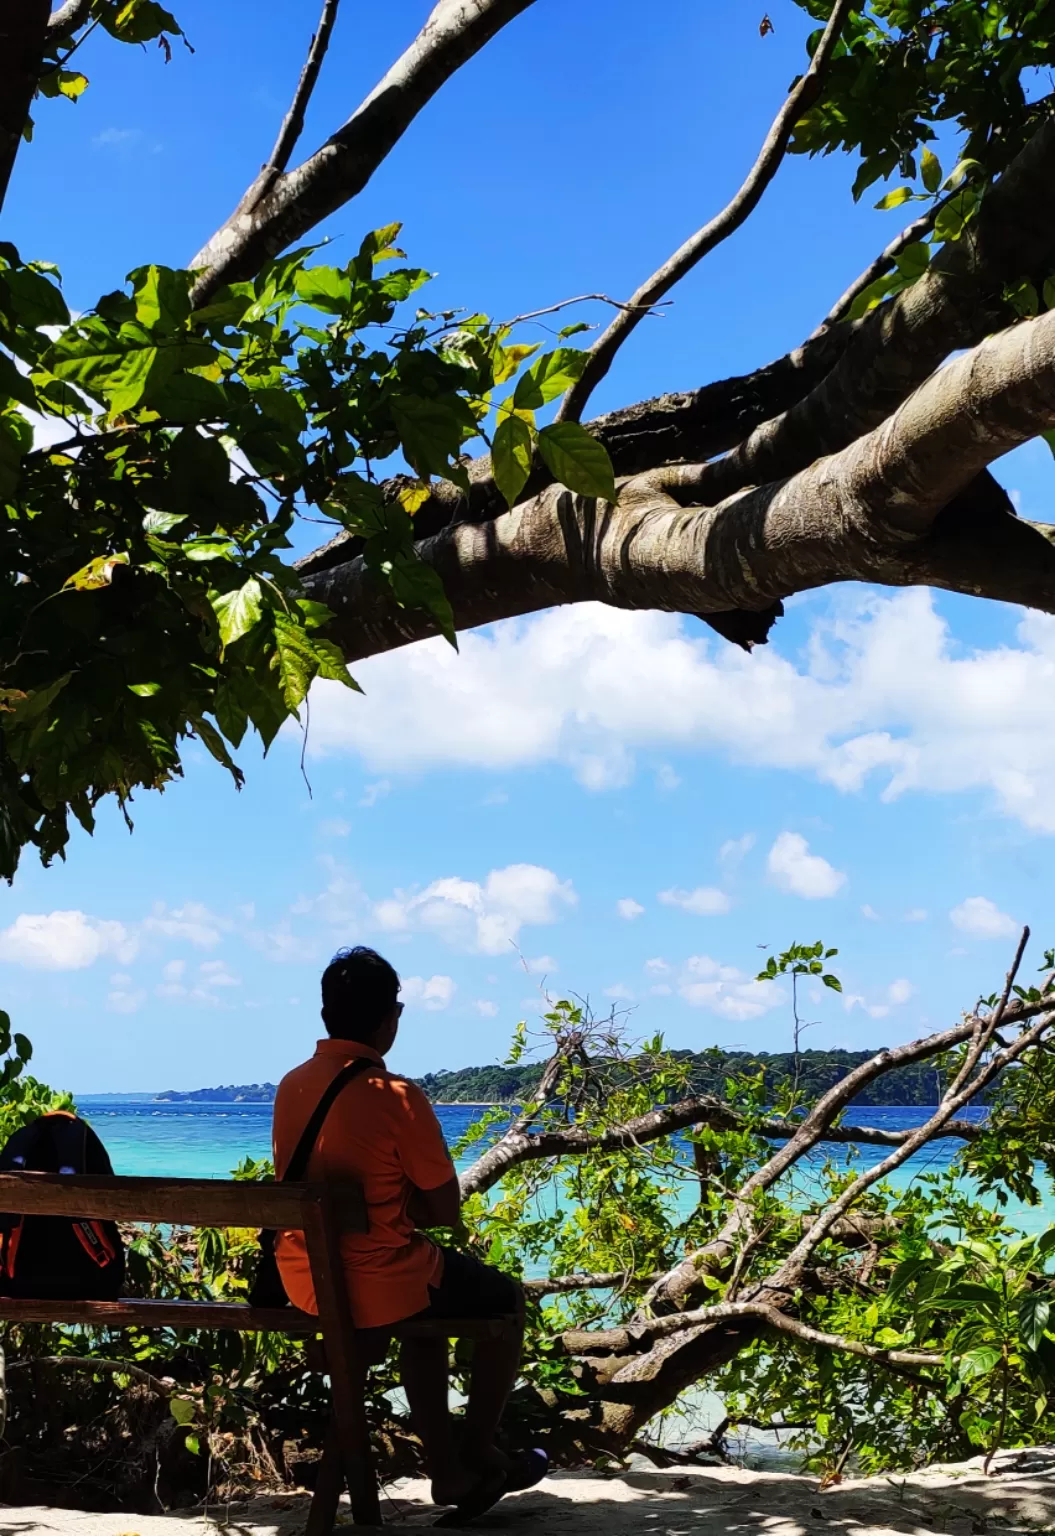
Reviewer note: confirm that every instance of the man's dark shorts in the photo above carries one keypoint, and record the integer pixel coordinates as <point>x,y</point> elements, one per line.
<point>470,1288</point>
<point>467,1288</point>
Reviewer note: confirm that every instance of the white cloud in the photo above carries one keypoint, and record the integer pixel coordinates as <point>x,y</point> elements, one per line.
<point>619,993</point>
<point>660,990</point>
<point>541,965</point>
<point>794,869</point>
<point>657,967</point>
<point>881,692</point>
<point>64,941</point>
<point>192,923</point>
<point>485,1006</point>
<point>486,918</point>
<point>666,778</point>
<point>125,999</point>
<point>705,983</point>
<point>983,919</point>
<point>704,901</point>
<point>335,827</point>
<point>372,793</point>
<point>734,851</point>
<point>111,138</point>
<point>433,994</point>
<point>900,991</point>
<point>628,908</point>
<point>214,973</point>
<point>915,915</point>
<point>871,914</point>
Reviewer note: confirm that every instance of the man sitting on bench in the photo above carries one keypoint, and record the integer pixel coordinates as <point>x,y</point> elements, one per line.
<point>382,1132</point>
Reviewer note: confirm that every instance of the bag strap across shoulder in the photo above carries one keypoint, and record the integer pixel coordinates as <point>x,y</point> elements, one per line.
<point>298,1163</point>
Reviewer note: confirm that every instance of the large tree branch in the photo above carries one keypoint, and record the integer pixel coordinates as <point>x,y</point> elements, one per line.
<point>802,96</point>
<point>23,37</point>
<point>684,426</point>
<point>958,302</point>
<point>299,199</point>
<point>869,513</point>
<point>620,1341</point>
<point>514,1150</point>
<point>65,21</point>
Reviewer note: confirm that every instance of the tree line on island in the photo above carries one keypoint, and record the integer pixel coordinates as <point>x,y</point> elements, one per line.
<point>817,1071</point>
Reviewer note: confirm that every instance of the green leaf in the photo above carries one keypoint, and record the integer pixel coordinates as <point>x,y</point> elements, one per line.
<point>895,198</point>
<point>157,524</point>
<point>33,298</point>
<point>238,611</point>
<point>511,452</point>
<point>214,742</point>
<point>188,397</point>
<point>432,431</point>
<point>98,573</point>
<point>294,660</point>
<point>572,330</point>
<point>193,1444</point>
<point>1033,1315</point>
<point>417,585</point>
<point>1023,299</point>
<point>182,1410</point>
<point>162,296</point>
<point>930,170</point>
<point>63,82</point>
<point>144,690</point>
<point>913,261</point>
<point>552,375</point>
<point>325,288</point>
<point>977,1362</point>
<point>577,460</point>
<point>833,982</point>
<point>139,21</point>
<point>1048,292</point>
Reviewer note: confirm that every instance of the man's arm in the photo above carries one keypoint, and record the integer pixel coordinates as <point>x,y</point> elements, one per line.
<point>436,1207</point>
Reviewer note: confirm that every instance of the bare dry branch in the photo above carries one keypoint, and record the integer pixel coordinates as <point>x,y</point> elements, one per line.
<point>514,1149</point>
<point>341,168</point>
<point>802,96</point>
<point>104,1367</point>
<point>987,1027</point>
<point>880,266</point>
<point>619,1341</point>
<point>293,122</point>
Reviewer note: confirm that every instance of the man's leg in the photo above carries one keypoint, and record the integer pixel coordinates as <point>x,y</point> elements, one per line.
<point>496,1363</point>
<point>424,1374</point>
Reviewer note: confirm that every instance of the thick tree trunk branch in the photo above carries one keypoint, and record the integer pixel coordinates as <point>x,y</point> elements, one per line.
<point>23,37</point>
<point>335,173</point>
<point>65,21</point>
<point>802,96</point>
<point>683,427</point>
<point>957,303</point>
<point>869,513</point>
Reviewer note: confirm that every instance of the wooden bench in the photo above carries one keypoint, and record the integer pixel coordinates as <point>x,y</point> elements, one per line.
<point>322,1213</point>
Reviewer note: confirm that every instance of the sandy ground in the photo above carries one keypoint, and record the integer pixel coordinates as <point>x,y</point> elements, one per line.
<point>1020,1497</point>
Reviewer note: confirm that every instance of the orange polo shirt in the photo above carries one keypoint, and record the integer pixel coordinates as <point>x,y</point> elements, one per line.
<point>383,1133</point>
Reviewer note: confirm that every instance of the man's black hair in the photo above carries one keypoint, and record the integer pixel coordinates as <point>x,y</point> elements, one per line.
<point>359,992</point>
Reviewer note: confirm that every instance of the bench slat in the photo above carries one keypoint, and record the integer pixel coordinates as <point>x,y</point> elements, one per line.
<point>181,1202</point>
<point>233,1315</point>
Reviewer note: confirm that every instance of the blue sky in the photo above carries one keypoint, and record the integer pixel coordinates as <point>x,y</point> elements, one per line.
<point>615,804</point>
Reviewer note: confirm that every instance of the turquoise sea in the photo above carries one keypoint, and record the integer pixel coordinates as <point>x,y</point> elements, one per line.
<point>208,1140</point>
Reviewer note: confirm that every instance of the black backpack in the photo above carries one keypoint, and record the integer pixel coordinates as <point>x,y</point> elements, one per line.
<point>58,1258</point>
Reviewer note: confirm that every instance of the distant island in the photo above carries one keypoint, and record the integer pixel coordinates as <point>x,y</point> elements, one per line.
<point>818,1070</point>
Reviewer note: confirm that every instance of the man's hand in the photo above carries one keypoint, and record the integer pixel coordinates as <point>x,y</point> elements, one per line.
<point>436,1207</point>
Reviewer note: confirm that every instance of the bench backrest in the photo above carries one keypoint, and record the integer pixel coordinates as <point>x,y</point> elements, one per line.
<point>185,1202</point>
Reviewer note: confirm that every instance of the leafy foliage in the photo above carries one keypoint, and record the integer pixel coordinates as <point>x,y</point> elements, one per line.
<point>154,459</point>
<point>906,68</point>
